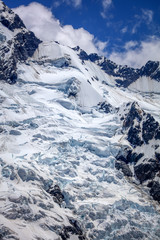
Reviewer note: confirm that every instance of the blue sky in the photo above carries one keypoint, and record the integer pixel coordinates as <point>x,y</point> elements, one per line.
<point>122,30</point>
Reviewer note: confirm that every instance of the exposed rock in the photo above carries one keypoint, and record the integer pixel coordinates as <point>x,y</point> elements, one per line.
<point>157,136</point>
<point>6,233</point>
<point>128,156</point>
<point>149,128</point>
<point>134,136</point>
<point>56,194</point>
<point>74,229</point>
<point>140,127</point>
<point>135,113</point>
<point>25,44</point>
<point>157,155</point>
<point>19,48</point>
<point>83,55</point>
<point>1,130</point>
<point>12,23</point>
<point>146,171</point>
<point>155,190</point>
<point>124,75</point>
<point>151,70</point>
<point>94,57</point>
<point>124,167</point>
<point>106,107</point>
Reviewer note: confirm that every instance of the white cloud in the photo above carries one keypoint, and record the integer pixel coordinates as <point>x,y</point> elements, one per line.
<point>74,3</point>
<point>147,15</point>
<point>130,45</point>
<point>124,30</point>
<point>40,20</point>
<point>56,4</point>
<point>103,14</point>
<point>136,54</point>
<point>106,5</point>
<point>101,45</point>
<point>135,27</point>
<point>77,3</point>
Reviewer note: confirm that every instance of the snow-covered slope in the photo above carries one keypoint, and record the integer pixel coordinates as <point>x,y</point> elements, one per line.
<point>65,126</point>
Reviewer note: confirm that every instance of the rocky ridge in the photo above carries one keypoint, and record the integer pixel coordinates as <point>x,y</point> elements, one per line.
<point>141,159</point>
<point>19,47</point>
<point>124,75</point>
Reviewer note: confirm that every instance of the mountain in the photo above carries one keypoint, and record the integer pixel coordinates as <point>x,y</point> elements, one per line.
<point>17,44</point>
<point>79,149</point>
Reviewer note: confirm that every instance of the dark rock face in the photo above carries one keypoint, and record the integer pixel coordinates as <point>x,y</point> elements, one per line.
<point>106,107</point>
<point>19,48</point>
<point>157,136</point>
<point>134,136</point>
<point>94,57</point>
<point>124,75</point>
<point>128,156</point>
<point>124,167</point>
<point>140,128</point>
<point>128,74</point>
<point>132,123</point>
<point>6,233</point>
<point>74,229</point>
<point>155,190</point>
<point>16,21</point>
<point>147,171</point>
<point>83,55</point>
<point>56,194</point>
<point>135,113</point>
<point>25,44</point>
<point>151,70</point>
<point>149,128</point>
<point>7,67</point>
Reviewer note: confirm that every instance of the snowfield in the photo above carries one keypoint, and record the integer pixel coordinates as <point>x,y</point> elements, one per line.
<point>54,134</point>
<point>61,130</point>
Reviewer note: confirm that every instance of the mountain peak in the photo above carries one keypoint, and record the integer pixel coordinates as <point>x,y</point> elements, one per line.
<point>15,45</point>
<point>9,19</point>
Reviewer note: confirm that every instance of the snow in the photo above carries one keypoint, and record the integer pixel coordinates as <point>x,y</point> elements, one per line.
<point>145,84</point>
<point>66,139</point>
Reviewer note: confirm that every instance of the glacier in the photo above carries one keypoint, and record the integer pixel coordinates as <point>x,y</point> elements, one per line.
<point>62,130</point>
